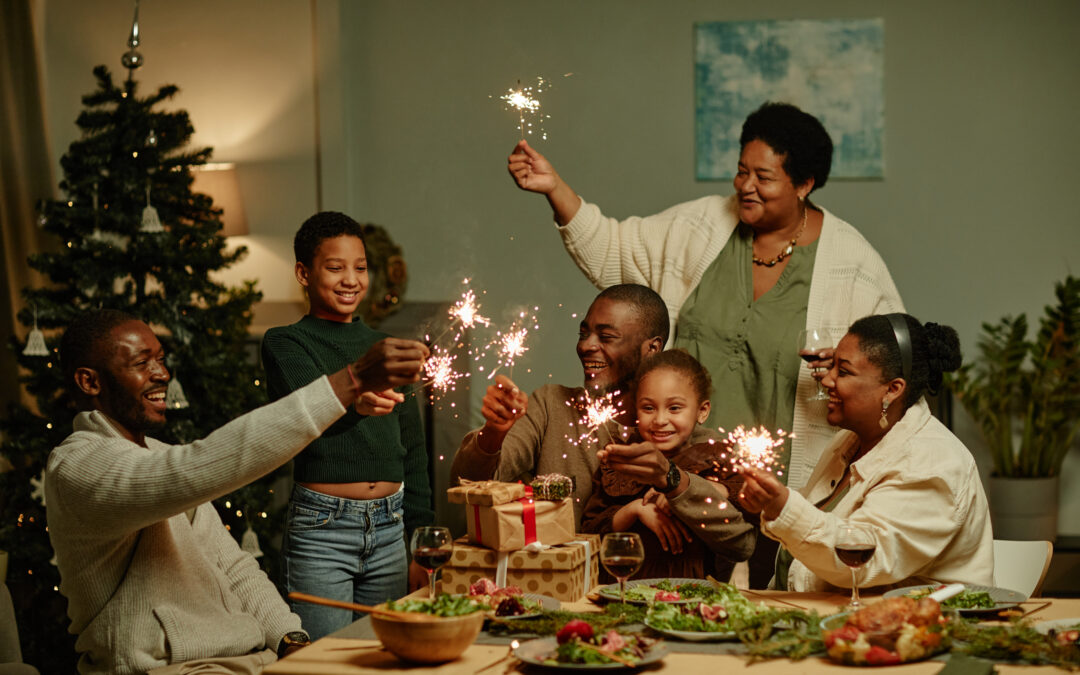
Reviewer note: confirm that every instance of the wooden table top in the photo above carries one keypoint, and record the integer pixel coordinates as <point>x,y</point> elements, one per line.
<point>349,655</point>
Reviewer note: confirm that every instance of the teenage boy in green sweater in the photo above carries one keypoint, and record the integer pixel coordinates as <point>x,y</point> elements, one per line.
<point>363,484</point>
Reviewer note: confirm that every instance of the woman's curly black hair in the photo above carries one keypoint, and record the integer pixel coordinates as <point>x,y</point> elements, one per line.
<point>935,349</point>
<point>798,136</point>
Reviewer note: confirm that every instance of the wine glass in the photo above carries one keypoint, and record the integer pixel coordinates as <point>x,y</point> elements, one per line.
<point>854,546</point>
<point>431,549</point>
<point>812,342</point>
<point>622,554</point>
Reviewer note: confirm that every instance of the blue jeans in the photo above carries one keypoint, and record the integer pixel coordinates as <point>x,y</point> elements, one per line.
<point>345,549</point>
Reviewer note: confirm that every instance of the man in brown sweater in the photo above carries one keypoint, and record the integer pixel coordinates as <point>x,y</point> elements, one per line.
<point>545,433</point>
<point>153,580</point>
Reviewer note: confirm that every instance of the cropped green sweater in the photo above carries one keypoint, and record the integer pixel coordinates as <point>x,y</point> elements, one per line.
<point>356,448</point>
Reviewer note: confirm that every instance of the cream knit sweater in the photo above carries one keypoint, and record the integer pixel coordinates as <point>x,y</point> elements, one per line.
<point>670,251</point>
<point>145,585</point>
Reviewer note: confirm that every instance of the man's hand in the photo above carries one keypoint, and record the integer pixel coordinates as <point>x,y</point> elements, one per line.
<point>503,405</point>
<point>762,493</point>
<point>418,577</point>
<point>378,403</point>
<point>641,461</point>
<point>671,531</point>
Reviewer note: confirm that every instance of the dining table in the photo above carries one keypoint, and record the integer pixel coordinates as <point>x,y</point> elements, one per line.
<point>355,649</point>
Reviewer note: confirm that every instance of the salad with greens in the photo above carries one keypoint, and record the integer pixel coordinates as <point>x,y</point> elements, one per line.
<point>444,604</point>
<point>723,609</point>
<point>666,590</point>
<point>577,643</point>
<point>964,600</point>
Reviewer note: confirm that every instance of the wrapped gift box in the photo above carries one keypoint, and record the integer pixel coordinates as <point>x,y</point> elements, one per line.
<point>485,492</point>
<point>565,572</point>
<point>512,526</point>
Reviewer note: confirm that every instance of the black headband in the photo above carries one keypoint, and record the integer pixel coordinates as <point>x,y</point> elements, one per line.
<point>903,341</point>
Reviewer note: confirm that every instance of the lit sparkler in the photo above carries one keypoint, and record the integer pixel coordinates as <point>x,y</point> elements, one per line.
<point>439,374</point>
<point>465,311</point>
<point>595,415</point>
<point>524,100</point>
<point>755,448</point>
<point>510,344</point>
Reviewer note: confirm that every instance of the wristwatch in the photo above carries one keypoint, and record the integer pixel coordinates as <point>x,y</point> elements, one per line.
<point>296,638</point>
<point>673,478</point>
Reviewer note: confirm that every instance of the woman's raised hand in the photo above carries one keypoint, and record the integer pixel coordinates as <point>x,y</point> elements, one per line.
<point>531,170</point>
<point>762,493</point>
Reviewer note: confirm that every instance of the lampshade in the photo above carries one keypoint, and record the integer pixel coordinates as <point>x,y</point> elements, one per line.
<point>219,182</point>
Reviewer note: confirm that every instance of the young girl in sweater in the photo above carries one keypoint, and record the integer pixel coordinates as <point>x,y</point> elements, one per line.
<point>673,487</point>
<point>364,483</point>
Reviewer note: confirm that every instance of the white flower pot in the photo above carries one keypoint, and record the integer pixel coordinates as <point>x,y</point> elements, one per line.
<point>1024,508</point>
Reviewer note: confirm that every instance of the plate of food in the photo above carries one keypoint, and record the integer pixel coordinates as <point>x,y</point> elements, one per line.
<point>973,600</point>
<point>727,612</point>
<point>1066,631</point>
<point>509,602</point>
<point>648,591</point>
<point>576,647</point>
<point>888,632</point>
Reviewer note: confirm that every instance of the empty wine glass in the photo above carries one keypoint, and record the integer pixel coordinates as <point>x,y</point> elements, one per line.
<point>855,545</point>
<point>811,343</point>
<point>622,554</point>
<point>431,549</point>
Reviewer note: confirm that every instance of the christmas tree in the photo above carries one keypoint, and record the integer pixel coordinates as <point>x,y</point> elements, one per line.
<point>132,236</point>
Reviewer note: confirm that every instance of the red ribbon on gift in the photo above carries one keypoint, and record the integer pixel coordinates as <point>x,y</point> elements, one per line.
<point>528,515</point>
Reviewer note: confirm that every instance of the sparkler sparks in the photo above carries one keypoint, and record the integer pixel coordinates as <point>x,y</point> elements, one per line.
<point>439,374</point>
<point>466,310</point>
<point>525,101</point>
<point>755,448</point>
<point>595,415</point>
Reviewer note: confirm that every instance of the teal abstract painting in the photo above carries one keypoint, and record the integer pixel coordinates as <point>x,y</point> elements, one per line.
<point>832,69</point>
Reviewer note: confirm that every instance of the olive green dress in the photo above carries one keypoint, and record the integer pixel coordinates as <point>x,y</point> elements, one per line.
<point>749,347</point>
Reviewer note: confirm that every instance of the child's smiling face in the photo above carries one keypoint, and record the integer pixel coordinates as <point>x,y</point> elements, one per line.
<point>337,278</point>
<point>668,408</point>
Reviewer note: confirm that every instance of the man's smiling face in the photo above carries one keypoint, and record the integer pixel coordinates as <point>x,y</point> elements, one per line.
<point>610,345</point>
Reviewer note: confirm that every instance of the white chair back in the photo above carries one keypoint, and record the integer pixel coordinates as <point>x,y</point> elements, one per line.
<point>1021,565</point>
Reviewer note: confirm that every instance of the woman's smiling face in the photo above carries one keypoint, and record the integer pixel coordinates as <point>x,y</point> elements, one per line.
<point>855,388</point>
<point>668,408</point>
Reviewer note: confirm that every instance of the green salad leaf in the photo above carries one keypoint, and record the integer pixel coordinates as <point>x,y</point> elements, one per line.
<point>444,604</point>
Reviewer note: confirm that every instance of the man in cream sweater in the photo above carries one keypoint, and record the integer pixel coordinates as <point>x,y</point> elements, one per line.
<point>154,582</point>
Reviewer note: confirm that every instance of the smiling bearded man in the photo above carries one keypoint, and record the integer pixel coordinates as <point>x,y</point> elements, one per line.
<point>154,581</point>
<point>527,437</point>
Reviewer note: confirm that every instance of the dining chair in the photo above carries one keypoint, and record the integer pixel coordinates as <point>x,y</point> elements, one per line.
<point>1021,565</point>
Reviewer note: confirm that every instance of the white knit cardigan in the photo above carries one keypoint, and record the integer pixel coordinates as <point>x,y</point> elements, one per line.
<point>670,251</point>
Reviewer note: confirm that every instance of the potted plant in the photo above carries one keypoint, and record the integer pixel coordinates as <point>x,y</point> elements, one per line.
<point>1025,396</point>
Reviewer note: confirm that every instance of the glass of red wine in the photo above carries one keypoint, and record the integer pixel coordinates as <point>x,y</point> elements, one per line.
<point>854,546</point>
<point>431,549</point>
<point>622,554</point>
<point>812,342</point>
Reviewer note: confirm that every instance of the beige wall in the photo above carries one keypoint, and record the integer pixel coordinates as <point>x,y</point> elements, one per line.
<point>976,216</point>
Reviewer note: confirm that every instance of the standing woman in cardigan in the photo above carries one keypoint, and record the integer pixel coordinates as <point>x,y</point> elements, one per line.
<point>363,484</point>
<point>741,276</point>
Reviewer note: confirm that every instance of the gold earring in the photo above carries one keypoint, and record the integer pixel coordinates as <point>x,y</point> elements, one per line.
<point>884,421</point>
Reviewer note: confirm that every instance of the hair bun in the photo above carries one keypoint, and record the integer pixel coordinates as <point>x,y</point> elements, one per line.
<point>943,349</point>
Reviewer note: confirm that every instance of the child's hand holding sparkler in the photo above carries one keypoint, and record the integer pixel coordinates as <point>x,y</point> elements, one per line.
<point>378,403</point>
<point>643,462</point>
<point>762,493</point>
<point>503,405</point>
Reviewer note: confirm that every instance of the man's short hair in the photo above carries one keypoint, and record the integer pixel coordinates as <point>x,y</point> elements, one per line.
<point>320,227</point>
<point>81,344</point>
<point>649,305</point>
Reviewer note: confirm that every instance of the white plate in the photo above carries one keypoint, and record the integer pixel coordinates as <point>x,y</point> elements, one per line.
<point>611,591</point>
<point>1045,627</point>
<point>693,635</point>
<point>534,652</point>
<point>1003,598</point>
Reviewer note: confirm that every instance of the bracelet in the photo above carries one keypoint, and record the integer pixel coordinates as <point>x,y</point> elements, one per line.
<point>355,382</point>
